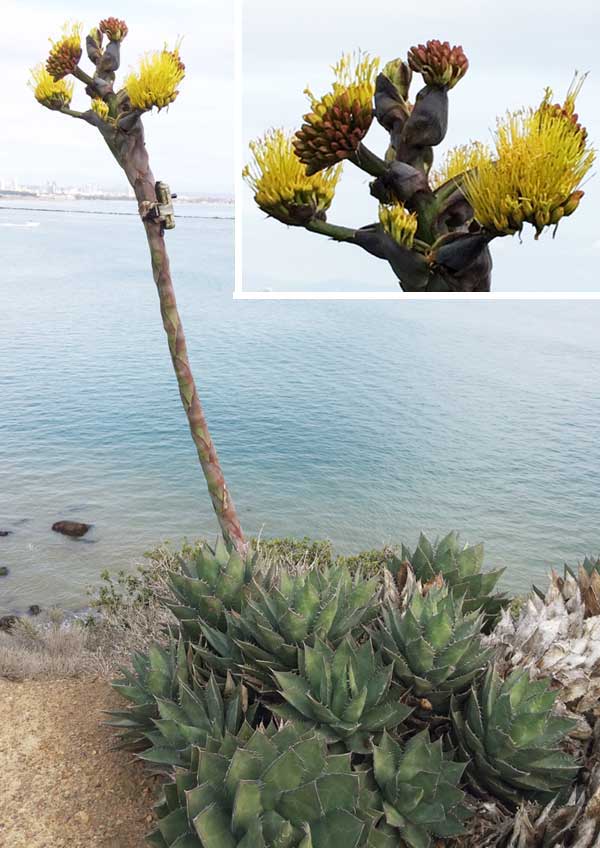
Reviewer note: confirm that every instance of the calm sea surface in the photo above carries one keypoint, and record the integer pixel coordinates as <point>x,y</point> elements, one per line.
<point>362,422</point>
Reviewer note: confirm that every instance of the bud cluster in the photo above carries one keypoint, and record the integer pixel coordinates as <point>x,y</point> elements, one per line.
<point>438,62</point>
<point>65,53</point>
<point>113,28</point>
<point>339,120</point>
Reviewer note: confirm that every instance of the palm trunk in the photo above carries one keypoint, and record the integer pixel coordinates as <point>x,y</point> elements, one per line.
<point>130,151</point>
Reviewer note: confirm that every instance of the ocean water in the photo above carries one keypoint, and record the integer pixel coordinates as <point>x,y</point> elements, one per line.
<point>361,422</point>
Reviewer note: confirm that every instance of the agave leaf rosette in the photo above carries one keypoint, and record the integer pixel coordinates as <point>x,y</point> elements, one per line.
<point>579,587</point>
<point>508,731</point>
<point>155,674</point>
<point>268,788</point>
<point>552,637</point>
<point>460,566</point>
<point>210,582</point>
<point>435,648</point>
<point>324,603</point>
<point>200,711</point>
<point>419,783</point>
<point>346,692</point>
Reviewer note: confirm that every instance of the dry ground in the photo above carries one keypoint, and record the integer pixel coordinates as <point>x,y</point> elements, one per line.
<point>60,785</point>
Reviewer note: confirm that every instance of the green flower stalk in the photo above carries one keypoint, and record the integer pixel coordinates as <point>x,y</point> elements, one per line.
<point>117,115</point>
<point>534,174</point>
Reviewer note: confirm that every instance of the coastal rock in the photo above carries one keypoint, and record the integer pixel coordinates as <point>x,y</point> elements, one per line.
<point>5,532</point>
<point>76,529</point>
<point>7,622</point>
<point>34,609</point>
<point>3,571</point>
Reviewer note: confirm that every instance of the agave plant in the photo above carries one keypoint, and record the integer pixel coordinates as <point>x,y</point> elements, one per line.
<point>585,584</point>
<point>419,785</point>
<point>435,648</point>
<point>460,566</point>
<point>201,711</point>
<point>211,581</point>
<point>266,788</point>
<point>347,692</point>
<point>508,732</point>
<point>157,674</point>
<point>552,637</point>
<point>325,603</point>
<point>117,114</point>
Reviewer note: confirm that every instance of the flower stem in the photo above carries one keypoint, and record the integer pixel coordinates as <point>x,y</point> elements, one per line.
<point>368,161</point>
<point>130,151</point>
<point>332,230</point>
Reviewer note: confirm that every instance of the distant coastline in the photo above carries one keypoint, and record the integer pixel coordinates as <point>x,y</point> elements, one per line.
<point>70,195</point>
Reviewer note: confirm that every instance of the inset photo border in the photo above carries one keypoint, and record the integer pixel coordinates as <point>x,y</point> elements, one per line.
<point>482,91</point>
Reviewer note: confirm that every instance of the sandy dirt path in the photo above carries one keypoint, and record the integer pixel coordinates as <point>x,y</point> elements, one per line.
<point>60,785</point>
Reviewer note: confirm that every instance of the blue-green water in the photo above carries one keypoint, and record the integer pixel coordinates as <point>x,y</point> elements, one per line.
<point>358,421</point>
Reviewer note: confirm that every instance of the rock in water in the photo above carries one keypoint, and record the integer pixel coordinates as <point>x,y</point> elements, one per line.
<point>5,532</point>
<point>3,571</point>
<point>7,622</point>
<point>71,528</point>
<point>34,609</point>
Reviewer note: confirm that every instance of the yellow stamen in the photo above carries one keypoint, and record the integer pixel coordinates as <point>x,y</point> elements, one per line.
<point>156,81</point>
<point>100,108</point>
<point>355,74</point>
<point>541,159</point>
<point>460,159</point>
<point>49,92</point>
<point>400,224</point>
<point>279,179</point>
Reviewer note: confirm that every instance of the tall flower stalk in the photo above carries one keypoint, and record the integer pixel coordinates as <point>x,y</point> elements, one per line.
<point>434,227</point>
<point>117,115</point>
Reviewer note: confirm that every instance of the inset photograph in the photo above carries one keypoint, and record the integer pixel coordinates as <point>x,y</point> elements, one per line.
<point>433,151</point>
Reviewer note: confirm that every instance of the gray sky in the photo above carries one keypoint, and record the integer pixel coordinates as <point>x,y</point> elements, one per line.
<point>191,144</point>
<point>515,48</point>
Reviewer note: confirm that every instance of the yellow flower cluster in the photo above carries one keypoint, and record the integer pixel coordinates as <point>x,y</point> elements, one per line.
<point>65,52</point>
<point>156,81</point>
<point>400,224</point>
<point>540,161</point>
<point>339,120</point>
<point>460,159</point>
<point>281,185</point>
<point>54,94</point>
<point>100,108</point>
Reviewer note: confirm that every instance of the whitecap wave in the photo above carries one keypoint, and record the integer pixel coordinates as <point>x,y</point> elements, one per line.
<point>24,226</point>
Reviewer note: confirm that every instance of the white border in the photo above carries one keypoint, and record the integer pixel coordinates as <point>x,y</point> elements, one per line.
<point>239,188</point>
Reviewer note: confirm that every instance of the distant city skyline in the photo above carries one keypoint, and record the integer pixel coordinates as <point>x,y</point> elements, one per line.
<point>52,187</point>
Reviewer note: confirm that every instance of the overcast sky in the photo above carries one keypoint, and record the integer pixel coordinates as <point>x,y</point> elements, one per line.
<point>191,144</point>
<point>515,48</point>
